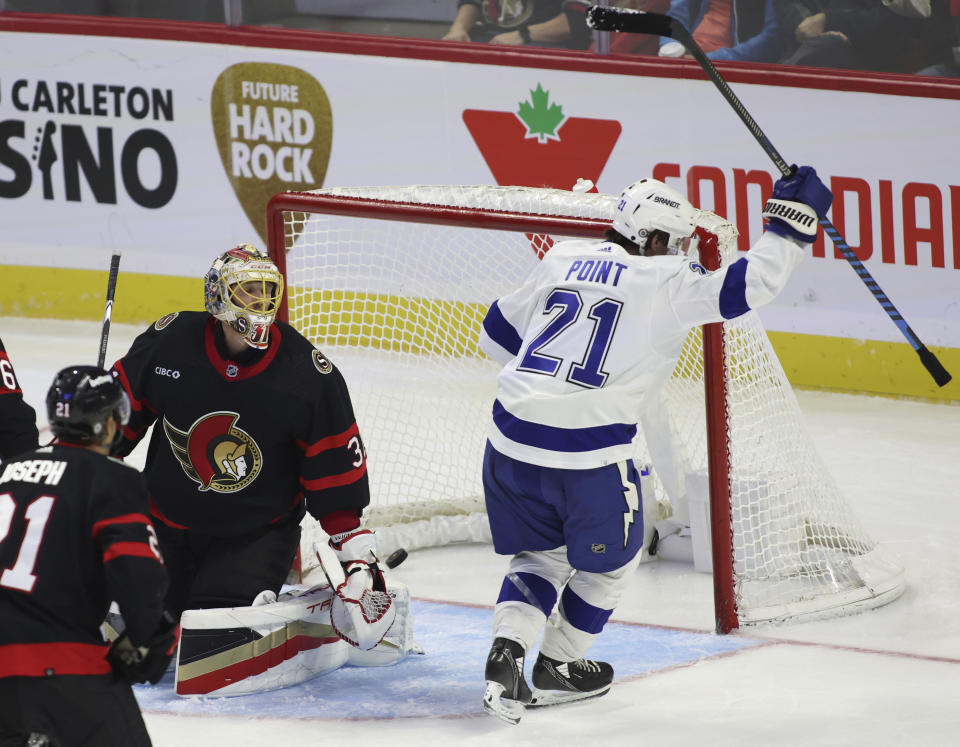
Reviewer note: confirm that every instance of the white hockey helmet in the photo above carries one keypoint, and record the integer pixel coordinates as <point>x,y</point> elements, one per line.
<point>243,288</point>
<point>650,205</point>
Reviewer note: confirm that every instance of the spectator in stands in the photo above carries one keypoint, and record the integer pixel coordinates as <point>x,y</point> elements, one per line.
<point>945,57</point>
<point>742,30</point>
<point>539,23</point>
<point>896,36</point>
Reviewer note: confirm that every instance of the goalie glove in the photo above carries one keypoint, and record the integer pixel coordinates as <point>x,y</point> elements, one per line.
<point>798,202</point>
<point>145,663</point>
<point>357,552</point>
<point>362,611</point>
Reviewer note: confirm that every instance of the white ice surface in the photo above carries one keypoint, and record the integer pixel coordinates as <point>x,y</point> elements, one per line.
<point>885,677</point>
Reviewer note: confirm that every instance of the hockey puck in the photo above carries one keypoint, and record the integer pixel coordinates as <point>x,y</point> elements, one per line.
<point>396,558</point>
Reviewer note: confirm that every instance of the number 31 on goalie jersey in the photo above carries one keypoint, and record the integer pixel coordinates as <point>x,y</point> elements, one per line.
<point>588,371</point>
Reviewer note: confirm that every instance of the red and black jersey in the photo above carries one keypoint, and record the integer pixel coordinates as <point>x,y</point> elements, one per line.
<point>74,536</point>
<point>18,421</point>
<point>238,443</point>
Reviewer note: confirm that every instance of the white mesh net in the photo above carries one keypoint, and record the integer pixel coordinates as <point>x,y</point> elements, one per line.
<point>397,305</point>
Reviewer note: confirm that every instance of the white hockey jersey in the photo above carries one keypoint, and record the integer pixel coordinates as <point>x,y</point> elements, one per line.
<point>594,332</point>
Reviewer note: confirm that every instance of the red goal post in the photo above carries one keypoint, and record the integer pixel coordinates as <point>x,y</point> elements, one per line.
<point>394,280</point>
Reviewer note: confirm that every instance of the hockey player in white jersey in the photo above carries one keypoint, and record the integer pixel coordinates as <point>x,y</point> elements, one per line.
<point>587,342</point>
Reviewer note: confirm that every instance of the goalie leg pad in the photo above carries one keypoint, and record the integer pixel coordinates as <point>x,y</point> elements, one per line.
<point>241,650</point>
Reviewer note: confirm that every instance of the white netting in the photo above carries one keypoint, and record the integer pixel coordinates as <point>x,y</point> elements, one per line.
<point>397,306</point>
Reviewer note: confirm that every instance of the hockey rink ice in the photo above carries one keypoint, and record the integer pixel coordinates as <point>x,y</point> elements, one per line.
<point>889,676</point>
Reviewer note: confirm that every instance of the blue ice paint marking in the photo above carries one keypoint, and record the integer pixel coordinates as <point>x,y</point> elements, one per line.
<point>447,681</point>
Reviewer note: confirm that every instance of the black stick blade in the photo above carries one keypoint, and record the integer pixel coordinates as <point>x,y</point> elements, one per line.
<point>632,21</point>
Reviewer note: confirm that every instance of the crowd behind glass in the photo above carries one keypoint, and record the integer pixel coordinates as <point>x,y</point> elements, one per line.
<point>894,36</point>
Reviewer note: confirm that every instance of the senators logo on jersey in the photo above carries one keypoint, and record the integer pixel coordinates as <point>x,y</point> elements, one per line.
<point>215,453</point>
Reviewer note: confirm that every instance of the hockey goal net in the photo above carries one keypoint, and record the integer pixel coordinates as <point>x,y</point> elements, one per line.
<point>392,284</point>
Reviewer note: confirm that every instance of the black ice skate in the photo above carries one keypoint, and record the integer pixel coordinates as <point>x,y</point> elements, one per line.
<point>507,690</point>
<point>565,681</point>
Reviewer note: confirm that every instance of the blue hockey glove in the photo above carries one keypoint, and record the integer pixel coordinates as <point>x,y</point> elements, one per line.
<point>798,202</point>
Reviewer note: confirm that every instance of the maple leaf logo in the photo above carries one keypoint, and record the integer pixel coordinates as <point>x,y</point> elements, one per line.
<point>539,146</point>
<point>542,120</point>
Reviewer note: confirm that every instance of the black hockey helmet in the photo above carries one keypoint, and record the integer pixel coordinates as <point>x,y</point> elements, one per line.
<point>81,399</point>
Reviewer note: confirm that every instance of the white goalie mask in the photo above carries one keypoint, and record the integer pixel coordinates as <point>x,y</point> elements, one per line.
<point>650,205</point>
<point>243,288</point>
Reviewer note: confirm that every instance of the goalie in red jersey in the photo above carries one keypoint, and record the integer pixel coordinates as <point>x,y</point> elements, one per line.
<point>253,426</point>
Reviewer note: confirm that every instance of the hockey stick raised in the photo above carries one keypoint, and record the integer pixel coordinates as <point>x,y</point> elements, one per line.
<point>631,21</point>
<point>108,308</point>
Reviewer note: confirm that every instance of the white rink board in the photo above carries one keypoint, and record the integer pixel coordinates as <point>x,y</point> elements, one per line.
<point>400,121</point>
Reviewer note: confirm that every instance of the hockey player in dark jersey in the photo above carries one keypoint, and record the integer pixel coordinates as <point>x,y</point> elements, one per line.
<point>18,421</point>
<point>74,536</point>
<point>252,426</point>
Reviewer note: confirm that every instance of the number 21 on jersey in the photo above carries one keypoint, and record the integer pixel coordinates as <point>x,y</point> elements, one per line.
<point>588,370</point>
<point>20,575</point>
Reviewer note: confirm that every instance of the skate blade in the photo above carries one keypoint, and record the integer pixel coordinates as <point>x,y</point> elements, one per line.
<point>504,709</point>
<point>543,698</point>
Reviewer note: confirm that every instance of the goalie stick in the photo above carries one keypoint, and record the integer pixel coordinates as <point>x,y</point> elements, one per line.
<point>108,309</point>
<point>601,18</point>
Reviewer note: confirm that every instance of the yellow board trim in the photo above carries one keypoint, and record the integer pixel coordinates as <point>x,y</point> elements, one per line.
<point>57,293</point>
<point>388,322</point>
<point>863,366</point>
<point>810,361</point>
